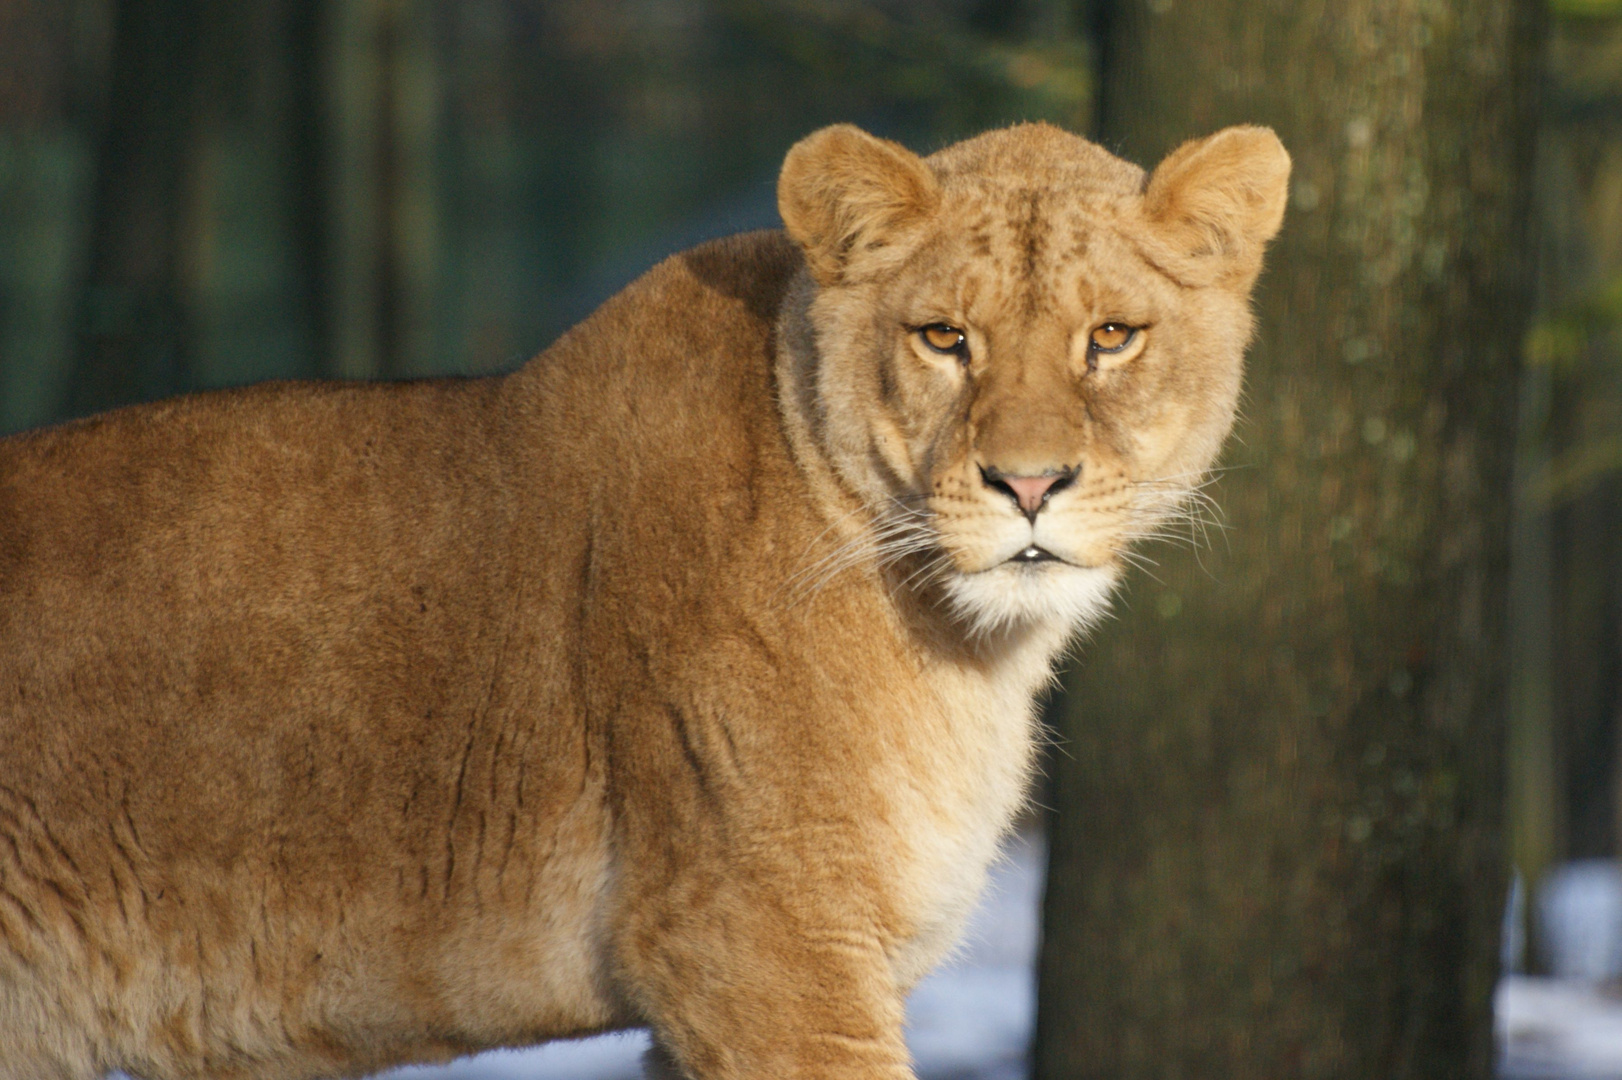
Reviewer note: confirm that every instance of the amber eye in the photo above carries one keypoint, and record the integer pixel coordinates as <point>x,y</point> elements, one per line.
<point>1112,337</point>
<point>943,338</point>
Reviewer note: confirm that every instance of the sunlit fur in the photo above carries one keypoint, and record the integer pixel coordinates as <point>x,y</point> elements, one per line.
<point>1028,240</point>
<point>680,679</point>
<point>1009,595</point>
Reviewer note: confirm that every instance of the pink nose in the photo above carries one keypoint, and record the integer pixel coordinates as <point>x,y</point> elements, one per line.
<point>1030,491</point>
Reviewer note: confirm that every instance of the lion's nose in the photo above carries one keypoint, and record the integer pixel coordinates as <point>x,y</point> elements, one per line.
<point>1030,493</point>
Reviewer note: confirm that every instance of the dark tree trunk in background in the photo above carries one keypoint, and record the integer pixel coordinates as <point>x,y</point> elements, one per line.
<point>310,175</point>
<point>132,332</point>
<point>1278,846</point>
<point>1578,352</point>
<point>1564,764</point>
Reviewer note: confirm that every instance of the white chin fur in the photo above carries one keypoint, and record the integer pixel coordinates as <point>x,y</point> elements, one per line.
<point>1008,596</point>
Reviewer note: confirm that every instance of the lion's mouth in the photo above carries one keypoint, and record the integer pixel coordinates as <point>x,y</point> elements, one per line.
<point>1034,554</point>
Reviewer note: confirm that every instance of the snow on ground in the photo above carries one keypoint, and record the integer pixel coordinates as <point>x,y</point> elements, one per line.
<point>607,1057</point>
<point>1553,1029</point>
<point>971,1020</point>
<point>1569,1027</point>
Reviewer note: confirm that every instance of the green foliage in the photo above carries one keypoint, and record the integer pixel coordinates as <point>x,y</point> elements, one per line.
<point>1574,344</point>
<point>1580,344</point>
<point>1586,8</point>
<point>1561,339</point>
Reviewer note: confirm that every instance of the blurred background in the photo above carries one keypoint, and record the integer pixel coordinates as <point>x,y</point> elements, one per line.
<point>197,194</point>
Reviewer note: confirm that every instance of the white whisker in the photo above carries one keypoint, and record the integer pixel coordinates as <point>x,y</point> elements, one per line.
<point>893,534</point>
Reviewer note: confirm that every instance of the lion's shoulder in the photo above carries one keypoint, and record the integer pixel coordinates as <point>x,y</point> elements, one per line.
<point>719,296</point>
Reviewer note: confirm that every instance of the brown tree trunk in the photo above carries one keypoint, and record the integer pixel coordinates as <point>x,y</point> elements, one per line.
<point>1278,846</point>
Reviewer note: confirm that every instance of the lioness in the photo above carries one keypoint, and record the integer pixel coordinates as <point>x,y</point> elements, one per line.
<point>682,678</point>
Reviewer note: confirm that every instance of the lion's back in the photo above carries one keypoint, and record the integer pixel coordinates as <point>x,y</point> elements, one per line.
<point>301,656</point>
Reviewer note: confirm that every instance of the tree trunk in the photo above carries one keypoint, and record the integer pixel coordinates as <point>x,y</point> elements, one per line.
<point>310,176</point>
<point>1278,847</point>
<point>133,339</point>
<point>1578,499</point>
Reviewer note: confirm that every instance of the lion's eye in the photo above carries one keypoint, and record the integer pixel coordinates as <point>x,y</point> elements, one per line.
<point>943,338</point>
<point>1112,337</point>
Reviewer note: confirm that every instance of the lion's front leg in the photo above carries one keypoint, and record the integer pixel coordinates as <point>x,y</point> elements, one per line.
<point>753,967</point>
<point>809,1020</point>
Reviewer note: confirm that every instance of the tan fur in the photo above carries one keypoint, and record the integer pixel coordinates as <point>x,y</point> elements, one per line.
<point>680,678</point>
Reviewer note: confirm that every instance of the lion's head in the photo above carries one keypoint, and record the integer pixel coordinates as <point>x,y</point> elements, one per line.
<point>1027,352</point>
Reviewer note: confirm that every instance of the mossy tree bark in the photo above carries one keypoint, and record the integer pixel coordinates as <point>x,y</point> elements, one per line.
<point>1278,847</point>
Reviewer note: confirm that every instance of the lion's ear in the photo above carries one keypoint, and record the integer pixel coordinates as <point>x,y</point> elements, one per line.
<point>1216,202</point>
<point>848,199</point>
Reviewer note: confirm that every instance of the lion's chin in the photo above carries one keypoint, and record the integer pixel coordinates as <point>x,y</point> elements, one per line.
<point>1024,592</point>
